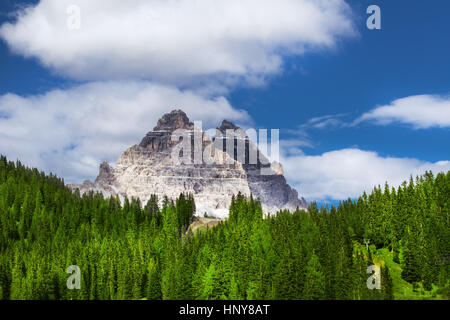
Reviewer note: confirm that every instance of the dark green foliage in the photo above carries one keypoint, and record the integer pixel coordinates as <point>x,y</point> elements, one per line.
<point>314,288</point>
<point>127,250</point>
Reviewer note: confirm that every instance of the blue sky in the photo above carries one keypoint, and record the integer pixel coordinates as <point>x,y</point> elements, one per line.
<point>363,69</point>
<point>408,56</point>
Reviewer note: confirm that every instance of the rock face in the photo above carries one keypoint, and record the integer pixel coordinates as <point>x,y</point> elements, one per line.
<point>229,163</point>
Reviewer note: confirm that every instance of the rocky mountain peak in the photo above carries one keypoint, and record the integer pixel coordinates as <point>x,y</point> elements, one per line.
<point>172,121</point>
<point>226,125</point>
<point>106,174</point>
<point>159,138</point>
<point>148,168</point>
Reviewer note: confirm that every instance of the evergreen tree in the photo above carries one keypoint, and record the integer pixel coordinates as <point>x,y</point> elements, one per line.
<point>314,288</point>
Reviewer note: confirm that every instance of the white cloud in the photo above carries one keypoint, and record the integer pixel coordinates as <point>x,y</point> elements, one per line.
<point>172,41</point>
<point>293,146</point>
<point>185,43</point>
<point>340,174</point>
<point>421,111</point>
<point>325,122</point>
<point>69,132</point>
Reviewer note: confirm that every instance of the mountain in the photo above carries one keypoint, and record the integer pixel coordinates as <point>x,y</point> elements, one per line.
<point>235,165</point>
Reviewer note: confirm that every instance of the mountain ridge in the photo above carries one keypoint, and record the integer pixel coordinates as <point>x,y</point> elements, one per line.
<point>148,168</point>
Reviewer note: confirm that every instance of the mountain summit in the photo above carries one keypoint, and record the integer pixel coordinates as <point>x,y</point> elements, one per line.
<point>177,119</point>
<point>149,168</point>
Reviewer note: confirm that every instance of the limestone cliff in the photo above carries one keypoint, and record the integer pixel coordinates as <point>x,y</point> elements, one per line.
<point>149,168</point>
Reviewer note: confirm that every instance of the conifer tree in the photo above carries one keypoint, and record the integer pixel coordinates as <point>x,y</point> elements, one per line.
<point>314,288</point>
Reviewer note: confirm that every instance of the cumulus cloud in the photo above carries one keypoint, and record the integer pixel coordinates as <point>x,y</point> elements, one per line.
<point>421,111</point>
<point>340,174</point>
<point>69,132</point>
<point>172,41</point>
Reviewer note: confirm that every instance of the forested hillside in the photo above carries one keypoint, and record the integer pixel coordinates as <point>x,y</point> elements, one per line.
<point>135,251</point>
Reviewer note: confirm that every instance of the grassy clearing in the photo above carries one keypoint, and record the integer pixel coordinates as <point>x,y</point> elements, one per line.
<point>403,290</point>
